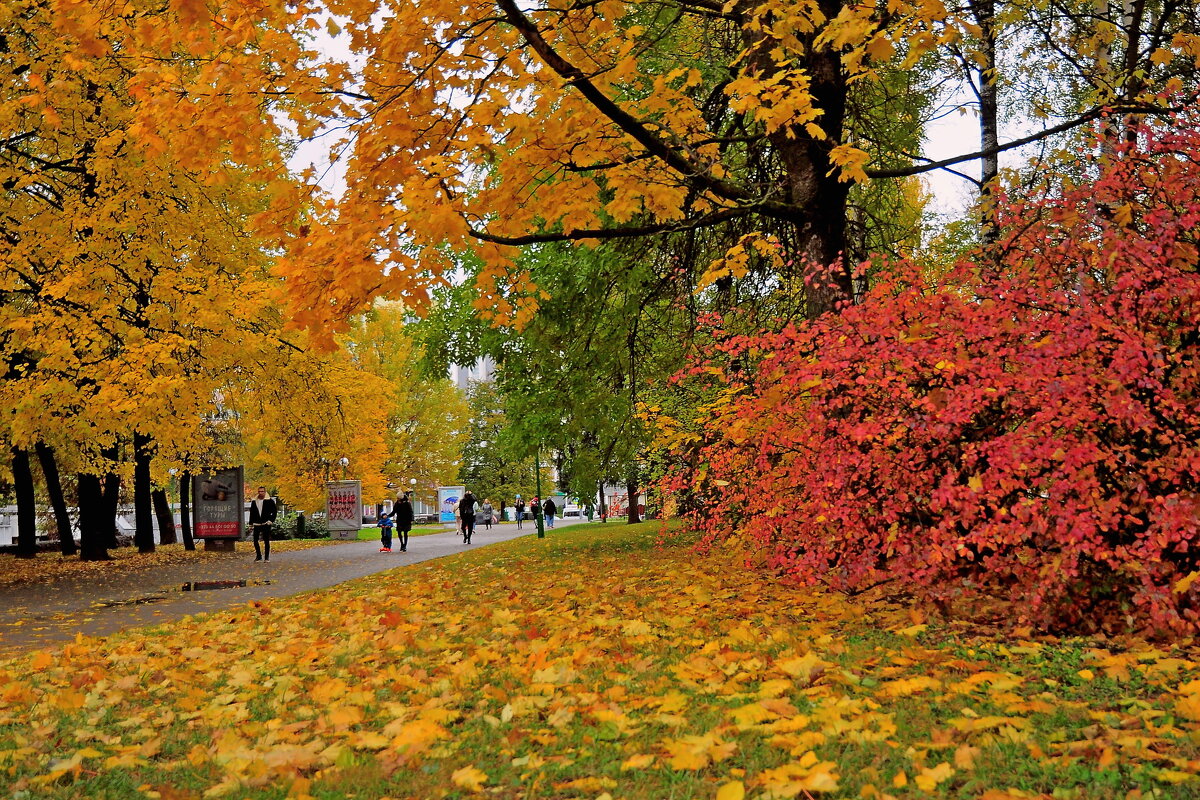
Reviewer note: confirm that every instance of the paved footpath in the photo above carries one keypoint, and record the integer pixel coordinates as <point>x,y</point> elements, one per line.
<point>39,615</point>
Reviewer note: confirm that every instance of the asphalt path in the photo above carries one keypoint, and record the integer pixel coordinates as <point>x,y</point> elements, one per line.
<point>42,615</point>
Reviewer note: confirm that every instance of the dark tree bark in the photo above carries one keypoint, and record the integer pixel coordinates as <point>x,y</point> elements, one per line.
<point>162,513</point>
<point>989,124</point>
<point>143,516</point>
<point>185,510</point>
<point>111,497</point>
<point>95,521</point>
<point>62,518</point>
<point>603,504</point>
<point>26,504</point>
<point>631,489</point>
<point>819,197</point>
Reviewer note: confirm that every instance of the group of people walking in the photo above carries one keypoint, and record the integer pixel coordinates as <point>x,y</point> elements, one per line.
<point>470,512</point>
<point>465,511</point>
<point>546,509</point>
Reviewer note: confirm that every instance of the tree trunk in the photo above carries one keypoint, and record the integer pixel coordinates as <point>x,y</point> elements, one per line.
<point>111,496</point>
<point>143,515</point>
<point>26,504</point>
<point>166,520</point>
<point>812,182</point>
<point>631,491</point>
<point>989,125</point>
<point>95,521</point>
<point>603,504</point>
<point>62,518</point>
<point>185,510</point>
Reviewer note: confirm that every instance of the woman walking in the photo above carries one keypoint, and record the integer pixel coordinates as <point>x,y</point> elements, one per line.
<point>404,520</point>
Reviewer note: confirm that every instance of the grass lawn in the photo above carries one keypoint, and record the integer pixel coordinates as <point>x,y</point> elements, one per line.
<point>590,664</point>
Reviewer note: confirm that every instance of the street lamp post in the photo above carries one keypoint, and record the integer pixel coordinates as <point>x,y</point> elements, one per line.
<point>345,463</point>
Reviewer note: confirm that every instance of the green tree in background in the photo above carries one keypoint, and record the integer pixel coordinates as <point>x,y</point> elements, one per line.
<point>494,465</point>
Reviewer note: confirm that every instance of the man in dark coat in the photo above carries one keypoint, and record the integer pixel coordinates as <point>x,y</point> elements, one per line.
<point>549,508</point>
<point>404,521</point>
<point>466,510</point>
<point>262,520</point>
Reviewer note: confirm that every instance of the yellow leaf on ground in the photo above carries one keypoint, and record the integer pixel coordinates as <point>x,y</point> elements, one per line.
<point>734,790</point>
<point>639,761</point>
<point>930,777</point>
<point>753,714</point>
<point>805,669</point>
<point>470,778</point>
<point>964,756</point>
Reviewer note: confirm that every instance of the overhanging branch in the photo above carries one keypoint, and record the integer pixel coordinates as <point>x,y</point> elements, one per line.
<point>1083,119</point>
<point>615,233</point>
<point>694,175</point>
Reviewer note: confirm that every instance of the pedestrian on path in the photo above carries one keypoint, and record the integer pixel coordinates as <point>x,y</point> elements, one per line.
<point>549,508</point>
<point>519,508</point>
<point>385,532</point>
<point>262,520</point>
<point>466,509</point>
<point>404,521</point>
<point>488,511</point>
<point>535,509</point>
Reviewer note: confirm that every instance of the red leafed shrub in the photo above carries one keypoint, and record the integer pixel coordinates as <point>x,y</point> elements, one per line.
<point>1028,425</point>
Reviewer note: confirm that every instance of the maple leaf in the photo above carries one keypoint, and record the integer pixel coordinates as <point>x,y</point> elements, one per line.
<point>470,778</point>
<point>928,779</point>
<point>697,752</point>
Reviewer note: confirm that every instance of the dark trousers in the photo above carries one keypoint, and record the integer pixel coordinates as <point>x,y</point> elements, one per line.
<point>468,527</point>
<point>402,535</point>
<point>385,536</point>
<point>263,530</point>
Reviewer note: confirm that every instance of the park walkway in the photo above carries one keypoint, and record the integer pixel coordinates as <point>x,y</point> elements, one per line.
<point>41,615</point>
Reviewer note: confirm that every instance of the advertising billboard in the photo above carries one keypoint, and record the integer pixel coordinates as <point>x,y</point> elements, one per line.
<point>219,504</point>
<point>343,508</point>
<point>447,497</point>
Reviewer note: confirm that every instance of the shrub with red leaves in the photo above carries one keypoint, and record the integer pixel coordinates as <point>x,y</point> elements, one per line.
<point>1027,423</point>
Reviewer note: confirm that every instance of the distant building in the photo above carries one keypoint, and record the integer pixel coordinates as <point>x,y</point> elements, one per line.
<point>483,370</point>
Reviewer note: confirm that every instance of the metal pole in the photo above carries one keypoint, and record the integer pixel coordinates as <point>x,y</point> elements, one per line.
<point>537,476</point>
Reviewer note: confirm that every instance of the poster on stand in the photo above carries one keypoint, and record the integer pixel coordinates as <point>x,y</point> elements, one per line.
<point>343,509</point>
<point>218,504</point>
<point>447,497</point>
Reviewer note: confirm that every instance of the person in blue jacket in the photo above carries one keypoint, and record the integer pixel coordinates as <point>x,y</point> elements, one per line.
<point>385,532</point>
